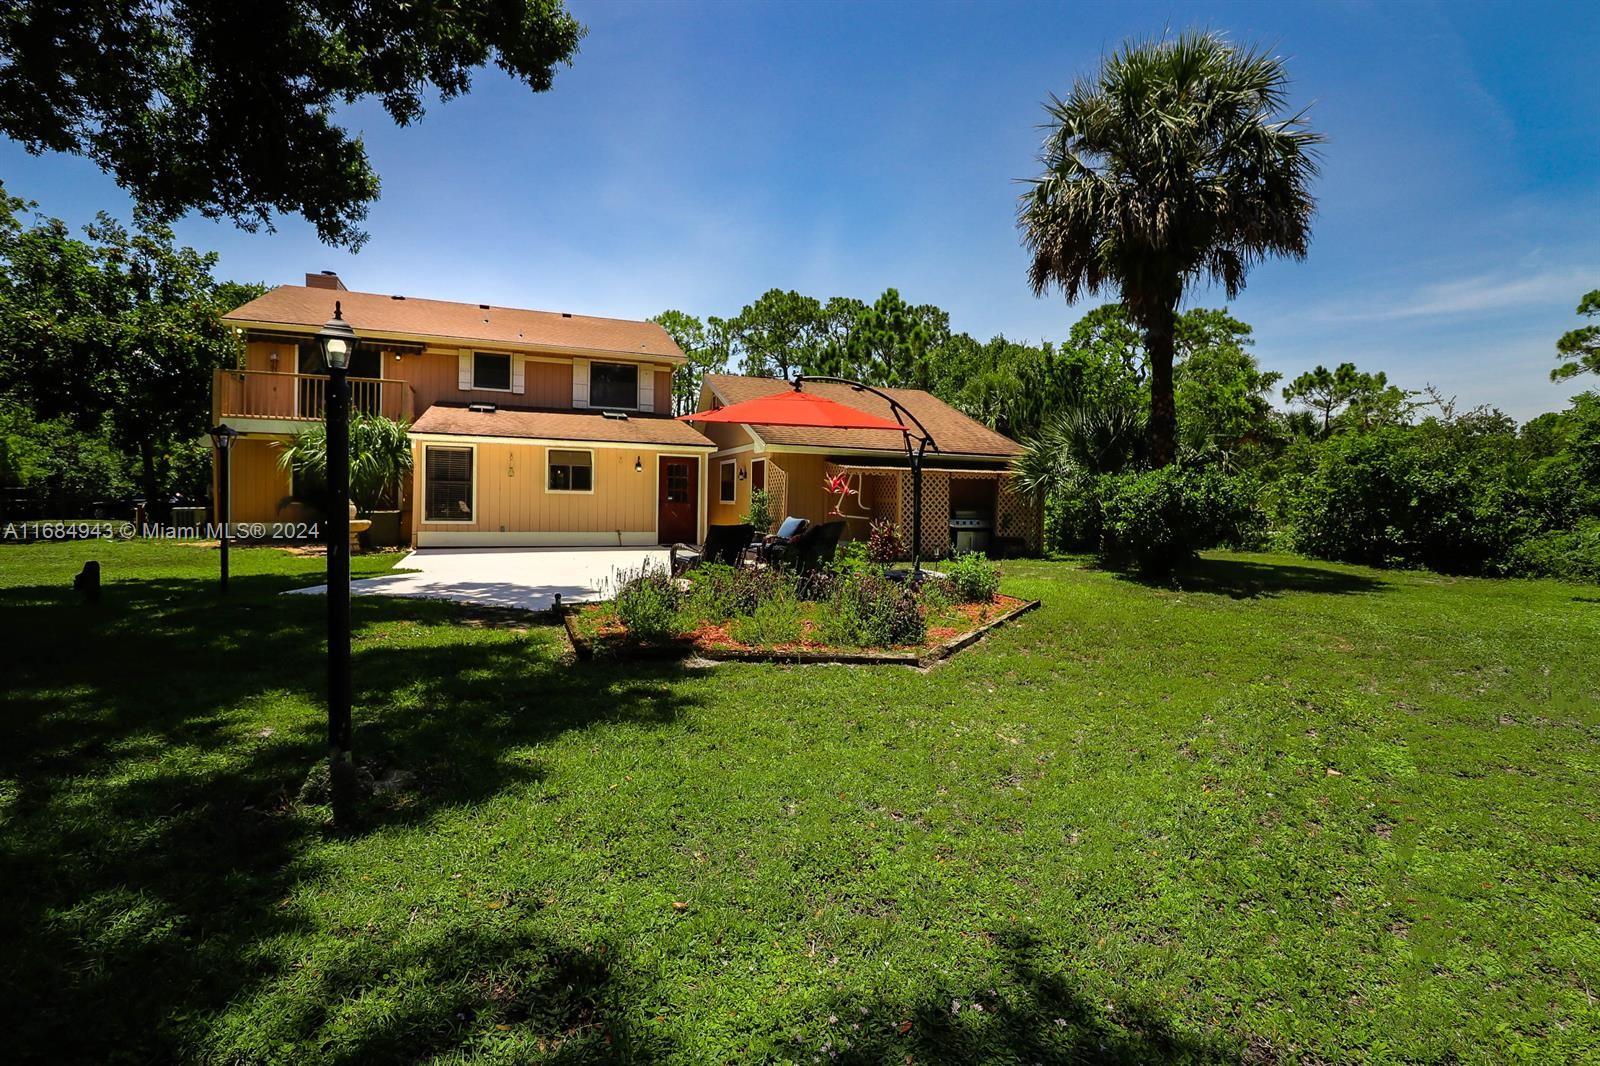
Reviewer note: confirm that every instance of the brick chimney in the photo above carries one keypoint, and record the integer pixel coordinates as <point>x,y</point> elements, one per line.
<point>327,279</point>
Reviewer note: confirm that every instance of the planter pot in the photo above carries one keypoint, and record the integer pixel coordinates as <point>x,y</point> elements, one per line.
<point>384,531</point>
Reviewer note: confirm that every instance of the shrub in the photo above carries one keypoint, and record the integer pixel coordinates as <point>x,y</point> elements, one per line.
<point>972,578</point>
<point>868,609</point>
<point>760,513</point>
<point>883,542</point>
<point>775,620</point>
<point>1570,554</point>
<point>1407,497</point>
<point>718,593</point>
<point>647,603</point>
<point>1158,519</point>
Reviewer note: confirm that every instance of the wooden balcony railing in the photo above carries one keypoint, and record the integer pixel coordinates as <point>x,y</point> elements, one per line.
<point>301,397</point>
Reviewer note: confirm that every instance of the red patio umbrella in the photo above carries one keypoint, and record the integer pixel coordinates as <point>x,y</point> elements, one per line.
<point>798,408</point>
<point>795,408</point>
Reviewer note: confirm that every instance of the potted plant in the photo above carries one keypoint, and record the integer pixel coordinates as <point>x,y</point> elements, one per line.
<point>380,461</point>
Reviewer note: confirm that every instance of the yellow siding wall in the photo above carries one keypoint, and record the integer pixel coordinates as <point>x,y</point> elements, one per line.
<point>510,479</point>
<point>723,514</point>
<point>259,484</point>
<point>806,497</point>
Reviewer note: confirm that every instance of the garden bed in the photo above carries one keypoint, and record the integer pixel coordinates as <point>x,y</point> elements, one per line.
<point>597,629</point>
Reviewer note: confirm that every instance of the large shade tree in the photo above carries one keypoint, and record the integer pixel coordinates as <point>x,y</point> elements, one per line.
<point>230,108</point>
<point>1177,162</point>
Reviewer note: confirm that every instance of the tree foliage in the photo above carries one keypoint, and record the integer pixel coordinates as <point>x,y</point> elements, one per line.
<point>228,108</point>
<point>1580,348</point>
<point>117,331</point>
<point>1176,162</point>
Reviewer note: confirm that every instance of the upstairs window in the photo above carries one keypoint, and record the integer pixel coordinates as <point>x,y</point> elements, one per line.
<point>613,385</point>
<point>447,485</point>
<point>570,471</point>
<point>491,371</point>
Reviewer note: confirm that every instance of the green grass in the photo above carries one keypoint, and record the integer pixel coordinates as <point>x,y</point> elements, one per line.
<point>1291,810</point>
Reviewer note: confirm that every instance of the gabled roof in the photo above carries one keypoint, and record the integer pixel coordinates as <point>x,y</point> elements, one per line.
<point>456,420</point>
<point>952,431</point>
<point>297,308</point>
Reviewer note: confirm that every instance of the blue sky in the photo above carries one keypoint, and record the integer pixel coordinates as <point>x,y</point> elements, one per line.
<point>696,155</point>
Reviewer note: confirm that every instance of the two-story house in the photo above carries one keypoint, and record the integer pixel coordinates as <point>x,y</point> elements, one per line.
<point>537,428</point>
<point>527,427</point>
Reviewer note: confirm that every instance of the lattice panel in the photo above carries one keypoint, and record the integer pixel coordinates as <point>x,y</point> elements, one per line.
<point>778,490</point>
<point>1018,515</point>
<point>935,513</point>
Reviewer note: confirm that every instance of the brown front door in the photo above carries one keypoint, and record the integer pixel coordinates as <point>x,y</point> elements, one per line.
<point>679,497</point>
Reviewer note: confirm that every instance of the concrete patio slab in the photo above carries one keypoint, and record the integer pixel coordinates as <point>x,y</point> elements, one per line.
<point>522,578</point>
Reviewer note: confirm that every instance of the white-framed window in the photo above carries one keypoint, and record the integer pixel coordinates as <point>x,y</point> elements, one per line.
<point>614,385</point>
<point>491,371</point>
<point>569,470</point>
<point>447,485</point>
<point>728,481</point>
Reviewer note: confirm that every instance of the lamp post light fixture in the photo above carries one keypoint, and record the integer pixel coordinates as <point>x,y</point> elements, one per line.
<point>338,342</point>
<point>222,437</point>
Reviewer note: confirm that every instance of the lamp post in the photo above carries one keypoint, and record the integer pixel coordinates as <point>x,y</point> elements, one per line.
<point>338,343</point>
<point>223,439</point>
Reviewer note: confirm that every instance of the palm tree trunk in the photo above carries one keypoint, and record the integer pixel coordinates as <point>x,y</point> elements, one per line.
<point>1158,345</point>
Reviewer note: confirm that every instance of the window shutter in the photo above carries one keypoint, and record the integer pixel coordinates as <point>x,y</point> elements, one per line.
<point>518,381</point>
<point>580,383</point>
<point>647,388</point>
<point>464,371</point>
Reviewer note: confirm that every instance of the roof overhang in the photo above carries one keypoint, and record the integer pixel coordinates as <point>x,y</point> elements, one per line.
<point>300,331</point>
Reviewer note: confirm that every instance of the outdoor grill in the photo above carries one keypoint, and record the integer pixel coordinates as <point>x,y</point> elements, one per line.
<point>970,530</point>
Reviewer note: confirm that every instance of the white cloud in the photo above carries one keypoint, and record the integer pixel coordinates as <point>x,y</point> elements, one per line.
<point>1476,295</point>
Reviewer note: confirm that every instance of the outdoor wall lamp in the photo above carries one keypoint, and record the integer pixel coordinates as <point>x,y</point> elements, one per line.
<point>744,472</point>
<point>223,436</point>
<point>638,465</point>
<point>272,358</point>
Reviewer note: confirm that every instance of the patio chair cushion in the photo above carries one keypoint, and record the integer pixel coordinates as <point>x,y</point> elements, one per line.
<point>791,528</point>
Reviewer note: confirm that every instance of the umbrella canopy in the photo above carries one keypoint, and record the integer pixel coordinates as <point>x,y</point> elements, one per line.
<point>794,408</point>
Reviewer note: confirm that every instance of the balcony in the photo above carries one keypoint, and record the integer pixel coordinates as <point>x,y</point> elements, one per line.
<point>277,397</point>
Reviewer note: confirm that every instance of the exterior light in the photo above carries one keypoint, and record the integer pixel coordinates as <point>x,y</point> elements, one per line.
<point>638,465</point>
<point>223,436</point>
<point>744,472</point>
<point>338,342</point>
<point>337,339</point>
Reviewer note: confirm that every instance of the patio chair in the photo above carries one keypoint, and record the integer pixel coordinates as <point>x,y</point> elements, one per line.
<point>788,530</point>
<point>812,549</point>
<point>724,544</point>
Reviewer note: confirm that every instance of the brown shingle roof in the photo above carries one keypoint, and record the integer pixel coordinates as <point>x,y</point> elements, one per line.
<point>457,420</point>
<point>952,431</point>
<point>298,308</point>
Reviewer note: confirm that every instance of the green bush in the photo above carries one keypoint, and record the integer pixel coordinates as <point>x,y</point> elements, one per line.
<point>647,603</point>
<point>1408,497</point>
<point>718,593</point>
<point>972,577</point>
<point>1158,519</point>
<point>760,513</point>
<point>775,620</point>
<point>868,609</point>
<point>1570,554</point>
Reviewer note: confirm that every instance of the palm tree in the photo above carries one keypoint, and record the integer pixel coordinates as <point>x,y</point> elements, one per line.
<point>1172,165</point>
<point>380,458</point>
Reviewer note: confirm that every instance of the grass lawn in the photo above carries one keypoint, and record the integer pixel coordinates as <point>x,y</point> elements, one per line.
<point>1294,811</point>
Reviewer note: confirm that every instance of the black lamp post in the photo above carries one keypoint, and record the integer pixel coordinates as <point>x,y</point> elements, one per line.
<point>223,436</point>
<point>338,343</point>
